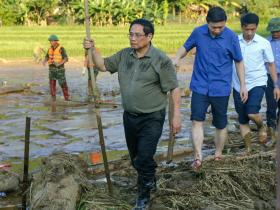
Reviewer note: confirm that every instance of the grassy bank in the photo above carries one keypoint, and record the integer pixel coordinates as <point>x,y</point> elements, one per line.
<point>19,42</point>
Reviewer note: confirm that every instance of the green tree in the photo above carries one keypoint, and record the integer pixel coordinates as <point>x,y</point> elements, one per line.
<point>39,10</point>
<point>11,12</point>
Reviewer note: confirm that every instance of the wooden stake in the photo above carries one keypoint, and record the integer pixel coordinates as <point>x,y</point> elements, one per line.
<point>171,134</point>
<point>97,111</point>
<point>26,162</point>
<point>278,168</point>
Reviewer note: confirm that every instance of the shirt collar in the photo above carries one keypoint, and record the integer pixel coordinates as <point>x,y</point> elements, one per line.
<point>269,38</point>
<point>272,40</point>
<point>255,38</point>
<point>148,54</point>
<point>205,30</point>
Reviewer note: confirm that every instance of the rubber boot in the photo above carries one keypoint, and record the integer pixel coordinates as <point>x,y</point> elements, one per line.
<point>144,191</point>
<point>64,88</point>
<point>53,89</point>
<point>248,142</point>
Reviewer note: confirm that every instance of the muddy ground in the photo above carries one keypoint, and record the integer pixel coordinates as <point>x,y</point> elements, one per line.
<point>73,129</point>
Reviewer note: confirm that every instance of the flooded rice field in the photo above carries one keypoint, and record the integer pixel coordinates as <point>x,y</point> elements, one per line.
<point>72,129</point>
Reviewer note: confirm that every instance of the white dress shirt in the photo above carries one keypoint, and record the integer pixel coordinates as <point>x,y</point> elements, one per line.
<point>255,54</point>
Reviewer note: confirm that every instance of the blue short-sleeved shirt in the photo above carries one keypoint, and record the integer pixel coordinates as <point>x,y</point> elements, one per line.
<point>275,44</point>
<point>212,73</point>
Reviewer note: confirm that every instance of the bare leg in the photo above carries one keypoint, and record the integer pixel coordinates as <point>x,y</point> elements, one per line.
<point>257,118</point>
<point>197,138</point>
<point>220,138</point>
<point>244,129</point>
<point>246,135</point>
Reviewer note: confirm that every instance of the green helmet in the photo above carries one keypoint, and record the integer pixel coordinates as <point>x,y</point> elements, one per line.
<point>53,37</point>
<point>273,25</point>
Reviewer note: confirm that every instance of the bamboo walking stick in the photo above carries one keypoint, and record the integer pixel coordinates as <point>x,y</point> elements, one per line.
<point>171,134</point>
<point>97,111</point>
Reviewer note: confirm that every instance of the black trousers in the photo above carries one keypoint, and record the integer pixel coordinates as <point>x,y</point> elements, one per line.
<point>142,133</point>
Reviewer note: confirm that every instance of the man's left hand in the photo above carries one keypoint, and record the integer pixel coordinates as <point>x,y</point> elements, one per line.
<point>243,94</point>
<point>276,93</point>
<point>176,124</point>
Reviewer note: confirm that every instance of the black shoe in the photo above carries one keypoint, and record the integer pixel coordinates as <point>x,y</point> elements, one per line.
<point>142,204</point>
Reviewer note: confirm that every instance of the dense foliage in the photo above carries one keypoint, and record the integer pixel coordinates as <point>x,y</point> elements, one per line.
<point>121,12</point>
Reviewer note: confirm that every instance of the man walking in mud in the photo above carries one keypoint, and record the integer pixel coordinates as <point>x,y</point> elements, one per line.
<point>56,57</point>
<point>145,76</point>
<point>216,49</point>
<point>272,105</point>
<point>257,53</point>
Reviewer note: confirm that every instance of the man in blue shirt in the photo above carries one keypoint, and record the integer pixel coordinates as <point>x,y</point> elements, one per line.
<point>217,47</point>
<point>256,52</point>
<point>272,104</point>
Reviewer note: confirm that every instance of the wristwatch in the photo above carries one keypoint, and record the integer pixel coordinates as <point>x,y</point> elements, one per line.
<point>275,84</point>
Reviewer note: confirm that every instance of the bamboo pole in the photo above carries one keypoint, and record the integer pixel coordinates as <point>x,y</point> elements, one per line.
<point>97,111</point>
<point>26,162</point>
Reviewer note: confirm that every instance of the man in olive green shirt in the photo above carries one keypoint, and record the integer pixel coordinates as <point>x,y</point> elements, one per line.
<point>145,76</point>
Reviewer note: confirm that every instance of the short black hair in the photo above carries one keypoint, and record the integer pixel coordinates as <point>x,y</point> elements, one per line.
<point>216,14</point>
<point>148,26</point>
<point>249,18</point>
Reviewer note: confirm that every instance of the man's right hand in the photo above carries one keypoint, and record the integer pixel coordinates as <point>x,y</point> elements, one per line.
<point>175,61</point>
<point>243,94</point>
<point>87,44</point>
<point>84,71</point>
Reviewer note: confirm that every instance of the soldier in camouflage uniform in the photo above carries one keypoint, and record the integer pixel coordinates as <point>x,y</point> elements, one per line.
<point>56,57</point>
<point>273,105</point>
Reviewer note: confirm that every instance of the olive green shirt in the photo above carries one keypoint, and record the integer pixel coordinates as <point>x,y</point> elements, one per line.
<point>144,82</point>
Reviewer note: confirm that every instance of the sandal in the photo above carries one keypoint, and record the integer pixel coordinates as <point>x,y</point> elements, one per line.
<point>217,158</point>
<point>5,166</point>
<point>196,164</point>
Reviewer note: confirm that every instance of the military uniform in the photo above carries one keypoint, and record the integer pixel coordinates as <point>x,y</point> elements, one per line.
<point>272,104</point>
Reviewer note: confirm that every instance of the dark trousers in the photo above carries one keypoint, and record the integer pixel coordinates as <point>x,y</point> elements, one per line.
<point>272,105</point>
<point>142,133</point>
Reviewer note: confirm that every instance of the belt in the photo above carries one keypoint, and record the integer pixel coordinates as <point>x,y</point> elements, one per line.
<point>137,114</point>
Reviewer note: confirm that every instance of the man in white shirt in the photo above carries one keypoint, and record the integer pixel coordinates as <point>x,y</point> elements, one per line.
<point>256,53</point>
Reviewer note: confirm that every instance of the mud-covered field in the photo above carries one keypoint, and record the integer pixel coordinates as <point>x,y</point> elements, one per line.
<point>236,182</point>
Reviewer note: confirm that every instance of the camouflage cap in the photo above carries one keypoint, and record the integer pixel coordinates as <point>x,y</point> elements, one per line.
<point>273,25</point>
<point>53,37</point>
